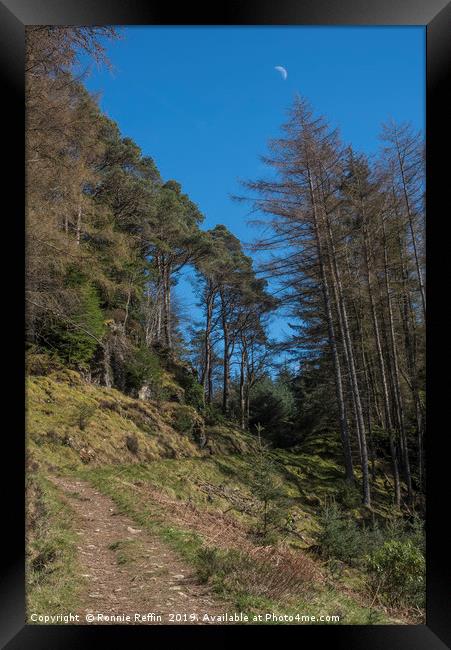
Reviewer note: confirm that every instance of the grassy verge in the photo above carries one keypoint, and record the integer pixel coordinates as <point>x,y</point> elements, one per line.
<point>54,580</point>
<point>244,580</point>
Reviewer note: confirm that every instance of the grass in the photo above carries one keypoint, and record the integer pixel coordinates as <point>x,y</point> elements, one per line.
<point>55,437</point>
<point>53,574</point>
<point>217,484</point>
<point>200,503</point>
<point>230,574</point>
<point>61,435</point>
<point>112,482</point>
<point>58,587</point>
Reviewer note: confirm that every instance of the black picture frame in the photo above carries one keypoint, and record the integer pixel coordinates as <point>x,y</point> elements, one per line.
<point>14,16</point>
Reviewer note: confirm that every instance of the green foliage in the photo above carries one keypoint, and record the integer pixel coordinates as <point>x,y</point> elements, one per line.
<point>404,530</point>
<point>339,536</point>
<point>316,409</point>
<point>83,414</point>
<point>108,236</point>
<point>213,415</point>
<point>342,537</point>
<point>212,561</point>
<point>266,488</point>
<point>392,556</point>
<point>349,495</point>
<point>143,367</point>
<point>41,362</point>
<point>183,421</point>
<point>193,392</point>
<point>272,405</point>
<point>417,533</point>
<point>397,574</point>
<point>76,338</point>
<point>184,376</point>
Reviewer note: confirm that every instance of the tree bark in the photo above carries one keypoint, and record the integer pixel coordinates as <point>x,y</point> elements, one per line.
<point>206,375</point>
<point>409,326</point>
<point>396,379</point>
<point>381,362</point>
<point>412,230</point>
<point>226,357</point>
<point>349,358</point>
<point>78,227</point>
<point>167,333</point>
<point>344,433</point>
<point>242,386</point>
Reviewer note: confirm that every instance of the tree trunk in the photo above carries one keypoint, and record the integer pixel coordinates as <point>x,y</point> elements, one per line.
<point>349,357</point>
<point>78,227</point>
<point>366,374</point>
<point>226,358</point>
<point>381,362</point>
<point>344,433</point>
<point>127,305</point>
<point>242,387</point>
<point>159,301</point>
<point>409,326</point>
<point>206,375</point>
<point>396,379</point>
<point>412,232</point>
<point>167,305</point>
<point>107,371</point>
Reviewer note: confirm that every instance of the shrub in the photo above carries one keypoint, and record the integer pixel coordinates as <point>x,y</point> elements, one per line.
<point>193,391</point>
<point>339,537</point>
<point>349,495</point>
<point>262,572</point>
<point>272,405</point>
<point>406,530</point>
<point>132,444</point>
<point>213,415</point>
<point>83,415</point>
<point>41,363</point>
<point>194,394</point>
<point>342,538</point>
<point>397,574</point>
<point>184,375</point>
<point>213,562</point>
<point>184,420</point>
<point>267,490</point>
<point>417,534</point>
<point>142,367</point>
<point>75,338</point>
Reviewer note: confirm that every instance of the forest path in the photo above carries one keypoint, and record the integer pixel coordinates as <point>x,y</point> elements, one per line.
<point>128,570</point>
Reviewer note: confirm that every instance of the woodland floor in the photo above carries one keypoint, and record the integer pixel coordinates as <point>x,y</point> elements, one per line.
<point>128,570</point>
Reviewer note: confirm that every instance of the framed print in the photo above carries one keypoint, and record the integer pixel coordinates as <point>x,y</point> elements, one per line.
<point>227,348</point>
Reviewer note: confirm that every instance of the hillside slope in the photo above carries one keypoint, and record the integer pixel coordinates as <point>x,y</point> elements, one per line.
<point>190,485</point>
<point>71,422</point>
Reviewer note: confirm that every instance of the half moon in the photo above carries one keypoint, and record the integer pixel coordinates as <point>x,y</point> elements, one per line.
<point>282,71</point>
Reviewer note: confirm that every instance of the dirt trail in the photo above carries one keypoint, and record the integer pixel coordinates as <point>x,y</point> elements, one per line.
<point>127,570</point>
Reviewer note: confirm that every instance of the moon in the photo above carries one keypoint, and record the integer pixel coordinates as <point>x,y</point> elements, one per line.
<point>282,71</point>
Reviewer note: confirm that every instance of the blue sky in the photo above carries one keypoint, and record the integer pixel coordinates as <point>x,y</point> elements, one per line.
<point>203,101</point>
